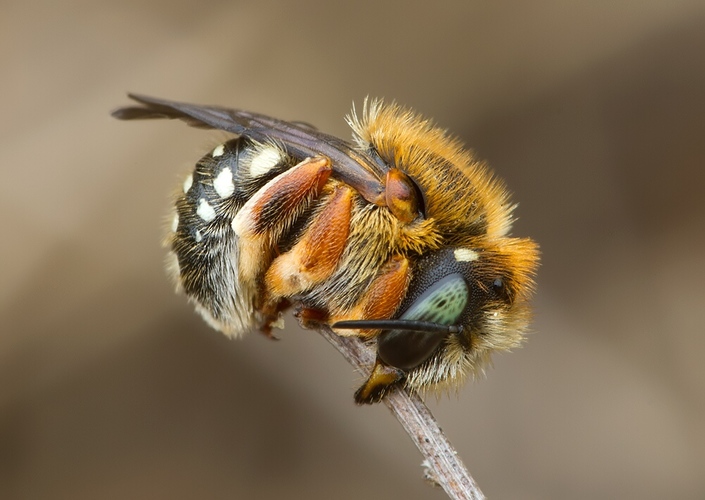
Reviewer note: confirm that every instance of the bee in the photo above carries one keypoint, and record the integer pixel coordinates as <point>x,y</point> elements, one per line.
<point>399,237</point>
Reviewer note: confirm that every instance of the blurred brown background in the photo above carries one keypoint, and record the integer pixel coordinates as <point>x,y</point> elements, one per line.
<point>112,388</point>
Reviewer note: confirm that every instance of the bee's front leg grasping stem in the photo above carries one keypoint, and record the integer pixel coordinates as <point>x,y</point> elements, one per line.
<point>445,466</point>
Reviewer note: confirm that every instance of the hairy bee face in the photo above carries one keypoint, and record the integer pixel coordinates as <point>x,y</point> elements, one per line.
<point>400,238</point>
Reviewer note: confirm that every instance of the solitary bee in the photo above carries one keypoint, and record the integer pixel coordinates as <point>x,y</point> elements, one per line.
<point>400,238</point>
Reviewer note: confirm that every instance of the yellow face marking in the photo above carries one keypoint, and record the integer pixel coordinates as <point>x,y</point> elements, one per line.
<point>465,255</point>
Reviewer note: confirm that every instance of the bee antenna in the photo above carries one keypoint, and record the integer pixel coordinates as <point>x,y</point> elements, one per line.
<point>397,324</point>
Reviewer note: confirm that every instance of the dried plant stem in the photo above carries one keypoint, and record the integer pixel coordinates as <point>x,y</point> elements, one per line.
<point>445,467</point>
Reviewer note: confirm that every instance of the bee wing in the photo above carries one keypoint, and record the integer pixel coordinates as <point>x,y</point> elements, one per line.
<point>300,140</point>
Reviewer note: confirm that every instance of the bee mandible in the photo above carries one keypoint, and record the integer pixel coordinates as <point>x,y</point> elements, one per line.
<point>400,238</point>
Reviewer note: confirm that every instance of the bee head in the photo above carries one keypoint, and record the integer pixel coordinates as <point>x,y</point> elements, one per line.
<point>472,297</point>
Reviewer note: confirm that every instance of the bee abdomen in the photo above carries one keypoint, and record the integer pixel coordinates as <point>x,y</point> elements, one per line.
<point>205,250</point>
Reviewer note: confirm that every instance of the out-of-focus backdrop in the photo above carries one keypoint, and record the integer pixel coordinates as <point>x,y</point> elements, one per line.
<point>111,387</point>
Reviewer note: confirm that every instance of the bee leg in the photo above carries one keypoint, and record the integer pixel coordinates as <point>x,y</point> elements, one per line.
<point>382,379</point>
<point>265,216</point>
<point>274,319</point>
<point>315,256</point>
<point>311,318</point>
<point>382,297</point>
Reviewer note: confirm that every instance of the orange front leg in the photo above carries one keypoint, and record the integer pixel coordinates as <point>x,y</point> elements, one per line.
<point>380,302</point>
<point>382,298</point>
<point>382,379</point>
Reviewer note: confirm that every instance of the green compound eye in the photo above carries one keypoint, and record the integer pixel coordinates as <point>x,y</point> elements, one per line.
<point>442,303</point>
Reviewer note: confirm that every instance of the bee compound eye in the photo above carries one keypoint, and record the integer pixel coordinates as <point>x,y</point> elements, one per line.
<point>441,303</point>
<point>405,349</point>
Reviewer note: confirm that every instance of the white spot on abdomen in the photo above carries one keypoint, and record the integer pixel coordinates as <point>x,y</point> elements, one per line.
<point>465,255</point>
<point>223,184</point>
<point>218,151</point>
<point>264,161</point>
<point>175,223</point>
<point>188,183</point>
<point>198,236</point>
<point>205,211</point>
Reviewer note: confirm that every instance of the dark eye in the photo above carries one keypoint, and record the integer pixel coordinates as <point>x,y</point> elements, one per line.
<point>500,290</point>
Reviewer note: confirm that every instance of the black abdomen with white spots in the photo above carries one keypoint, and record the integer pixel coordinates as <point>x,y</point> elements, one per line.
<point>203,242</point>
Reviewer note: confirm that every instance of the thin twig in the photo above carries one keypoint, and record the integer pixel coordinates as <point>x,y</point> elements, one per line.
<point>445,466</point>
